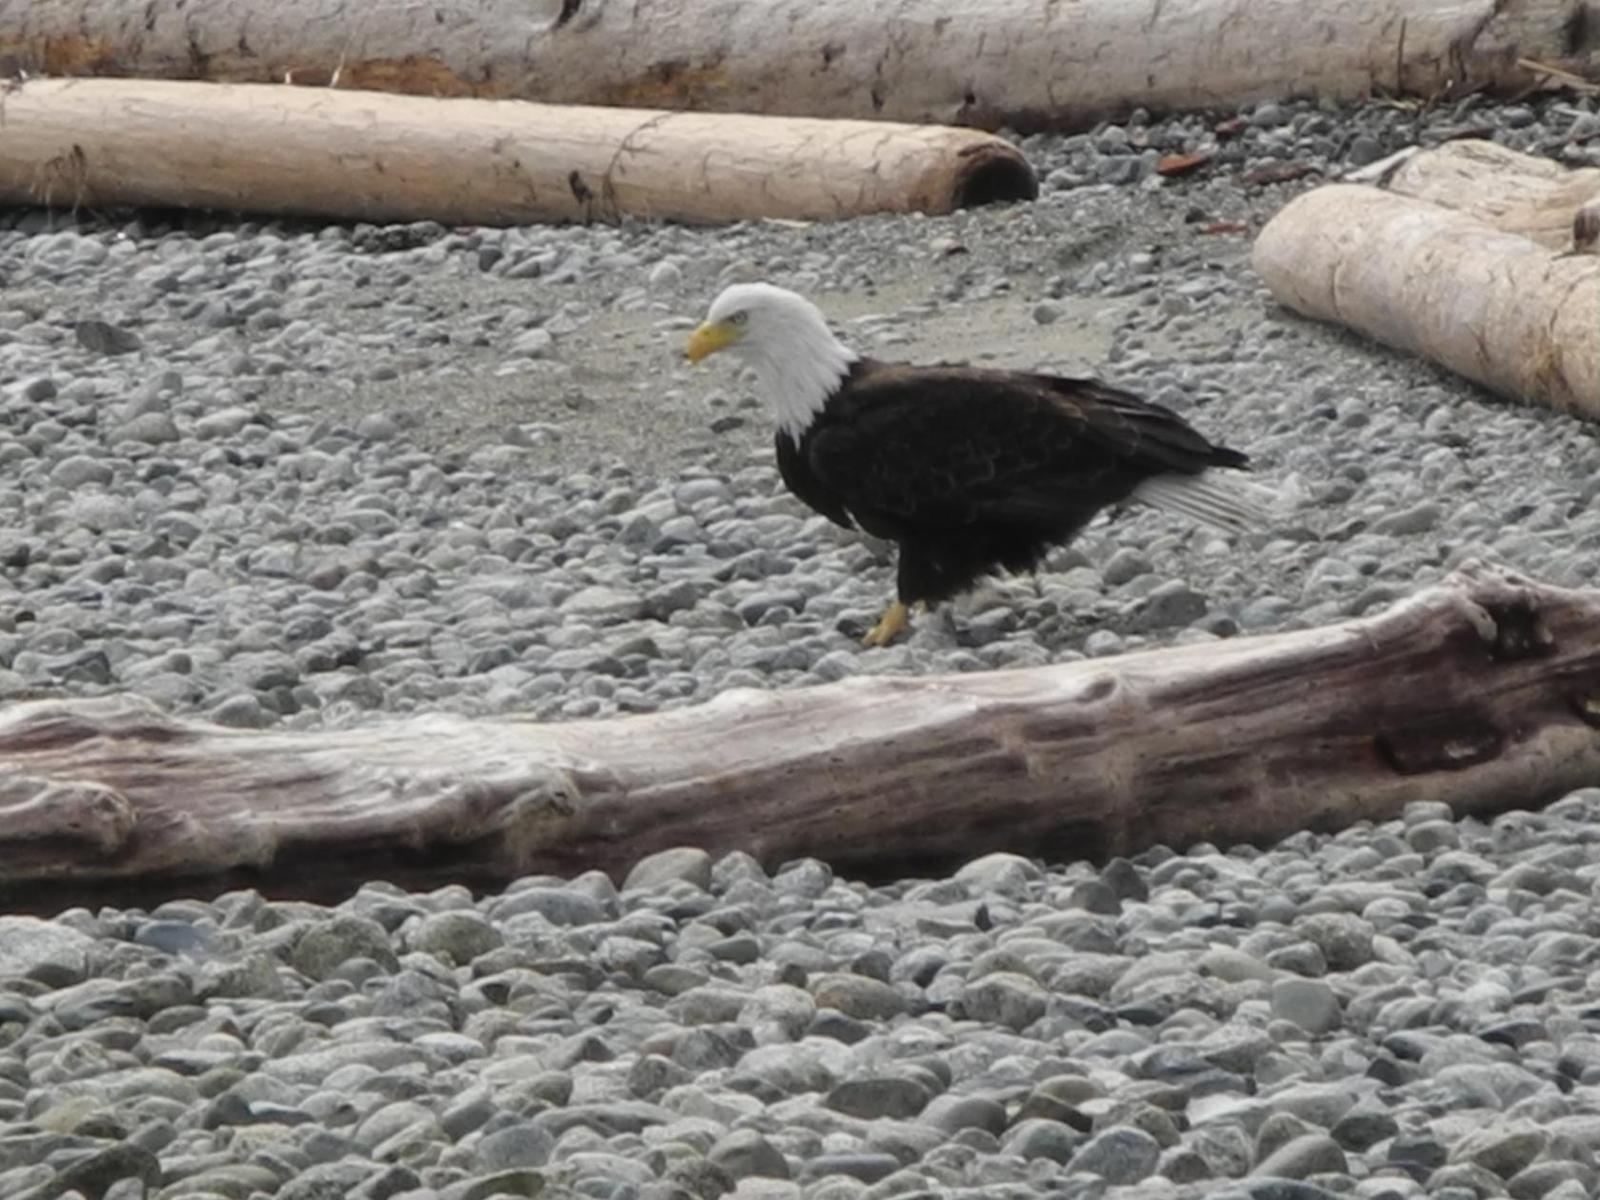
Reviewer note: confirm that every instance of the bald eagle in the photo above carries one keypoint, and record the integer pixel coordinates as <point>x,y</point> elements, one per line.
<point>967,470</point>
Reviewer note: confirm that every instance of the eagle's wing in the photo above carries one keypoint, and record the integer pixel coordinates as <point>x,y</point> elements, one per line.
<point>958,445</point>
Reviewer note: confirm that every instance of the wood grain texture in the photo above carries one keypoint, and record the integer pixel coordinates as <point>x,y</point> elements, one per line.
<point>1482,692</point>
<point>1026,64</point>
<point>321,152</point>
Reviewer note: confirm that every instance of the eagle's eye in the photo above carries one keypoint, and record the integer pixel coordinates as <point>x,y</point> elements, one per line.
<point>739,318</point>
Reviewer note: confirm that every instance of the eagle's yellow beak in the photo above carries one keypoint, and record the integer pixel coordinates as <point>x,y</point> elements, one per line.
<point>710,338</point>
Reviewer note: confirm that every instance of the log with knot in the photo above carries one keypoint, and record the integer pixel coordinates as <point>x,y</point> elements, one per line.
<point>1482,691</point>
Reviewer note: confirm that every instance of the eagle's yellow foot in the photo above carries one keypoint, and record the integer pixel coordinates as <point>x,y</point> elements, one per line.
<point>895,621</point>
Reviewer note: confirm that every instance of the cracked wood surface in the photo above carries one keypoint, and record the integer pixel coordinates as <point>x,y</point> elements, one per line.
<point>1462,259</point>
<point>368,156</point>
<point>1482,692</point>
<point>1025,64</point>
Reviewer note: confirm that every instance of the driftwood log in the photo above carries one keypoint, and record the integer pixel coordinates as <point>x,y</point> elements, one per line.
<point>1509,191</point>
<point>1482,692</point>
<point>1466,257</point>
<point>319,152</point>
<point>1029,64</point>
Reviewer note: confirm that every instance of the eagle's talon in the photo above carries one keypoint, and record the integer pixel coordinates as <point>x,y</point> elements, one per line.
<point>896,620</point>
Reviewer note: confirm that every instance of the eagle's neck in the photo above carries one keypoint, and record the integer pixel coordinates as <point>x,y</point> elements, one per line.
<point>799,374</point>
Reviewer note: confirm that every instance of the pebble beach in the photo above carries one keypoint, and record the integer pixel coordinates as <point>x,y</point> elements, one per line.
<point>282,475</point>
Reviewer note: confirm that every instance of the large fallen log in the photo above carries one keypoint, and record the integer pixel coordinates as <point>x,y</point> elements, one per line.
<point>363,155</point>
<point>1482,692</point>
<point>1029,64</point>
<point>1471,269</point>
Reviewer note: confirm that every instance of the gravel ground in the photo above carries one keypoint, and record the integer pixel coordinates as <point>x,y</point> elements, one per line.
<point>298,476</point>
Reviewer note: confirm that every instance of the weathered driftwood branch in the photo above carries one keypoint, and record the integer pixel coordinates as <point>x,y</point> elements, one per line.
<point>1025,63</point>
<point>1469,269</point>
<point>345,154</point>
<point>1483,692</point>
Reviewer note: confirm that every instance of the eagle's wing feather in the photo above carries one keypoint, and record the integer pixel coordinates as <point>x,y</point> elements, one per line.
<point>797,474</point>
<point>958,445</point>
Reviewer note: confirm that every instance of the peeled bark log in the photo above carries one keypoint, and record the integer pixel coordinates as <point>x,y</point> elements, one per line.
<point>1482,692</point>
<point>325,153</point>
<point>1029,64</point>
<point>1506,190</point>
<point>1457,277</point>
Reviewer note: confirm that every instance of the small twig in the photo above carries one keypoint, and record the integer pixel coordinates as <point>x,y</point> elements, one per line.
<point>1400,61</point>
<point>1379,173</point>
<point>1576,82</point>
<point>344,50</point>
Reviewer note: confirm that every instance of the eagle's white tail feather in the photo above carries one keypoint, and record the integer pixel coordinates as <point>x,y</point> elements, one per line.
<point>1225,501</point>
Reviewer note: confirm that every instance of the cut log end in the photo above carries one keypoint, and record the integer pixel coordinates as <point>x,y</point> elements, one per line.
<point>992,173</point>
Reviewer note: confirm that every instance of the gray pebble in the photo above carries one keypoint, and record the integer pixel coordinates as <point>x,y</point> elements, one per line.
<point>1363,150</point>
<point>744,1153</point>
<point>1309,1003</point>
<point>521,1145</point>
<point>1004,998</point>
<point>38,389</point>
<point>152,428</point>
<point>322,949</point>
<point>79,469</point>
<point>1504,1150</point>
<point>1038,1137</point>
<point>53,954</point>
<point>1312,1154</point>
<point>1124,566</point>
<point>857,996</point>
<point>456,937</point>
<point>1346,941</point>
<point>867,1168</point>
<point>954,1113</point>
<point>879,1096</point>
<point>559,906</point>
<point>1172,603</point>
<point>243,711</point>
<point>1418,519</point>
<point>224,423</point>
<point>665,276</point>
<point>684,864</point>
<point>102,337</point>
<point>1120,1155</point>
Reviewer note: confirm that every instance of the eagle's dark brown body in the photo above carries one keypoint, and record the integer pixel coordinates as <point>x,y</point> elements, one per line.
<point>970,470</point>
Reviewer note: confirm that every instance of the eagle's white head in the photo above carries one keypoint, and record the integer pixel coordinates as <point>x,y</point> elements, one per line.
<point>785,338</point>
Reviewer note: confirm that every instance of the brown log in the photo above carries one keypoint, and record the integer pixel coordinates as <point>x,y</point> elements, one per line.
<point>1470,270</point>
<point>1029,64</point>
<point>1482,692</point>
<point>365,155</point>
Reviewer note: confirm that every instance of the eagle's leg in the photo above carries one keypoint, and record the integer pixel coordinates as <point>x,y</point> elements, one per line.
<point>917,580</point>
<point>896,620</point>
